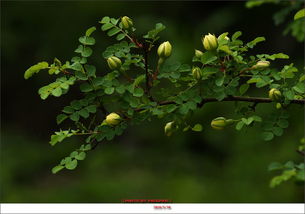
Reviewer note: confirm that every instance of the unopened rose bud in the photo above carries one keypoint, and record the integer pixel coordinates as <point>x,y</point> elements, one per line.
<point>113,119</point>
<point>196,71</point>
<point>165,50</point>
<point>169,128</point>
<point>198,53</point>
<point>261,64</point>
<point>275,94</point>
<point>220,123</point>
<point>210,42</point>
<point>114,62</point>
<point>126,22</point>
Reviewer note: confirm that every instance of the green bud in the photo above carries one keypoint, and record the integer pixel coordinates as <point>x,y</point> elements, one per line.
<point>198,53</point>
<point>220,123</point>
<point>278,105</point>
<point>113,119</point>
<point>165,50</point>
<point>169,128</point>
<point>196,71</point>
<point>114,62</point>
<point>275,94</point>
<point>210,42</point>
<point>261,64</point>
<point>126,22</point>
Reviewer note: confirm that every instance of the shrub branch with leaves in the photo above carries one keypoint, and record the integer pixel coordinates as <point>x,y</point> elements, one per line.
<point>135,90</point>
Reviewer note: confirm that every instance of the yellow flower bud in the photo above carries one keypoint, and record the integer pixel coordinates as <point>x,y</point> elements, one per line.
<point>210,42</point>
<point>196,71</point>
<point>114,62</point>
<point>113,119</point>
<point>126,22</point>
<point>218,123</point>
<point>198,53</point>
<point>169,128</point>
<point>165,50</point>
<point>275,94</point>
<point>261,64</point>
<point>278,105</point>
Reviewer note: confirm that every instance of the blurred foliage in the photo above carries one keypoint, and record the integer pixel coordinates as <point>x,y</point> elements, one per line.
<point>290,13</point>
<point>202,167</point>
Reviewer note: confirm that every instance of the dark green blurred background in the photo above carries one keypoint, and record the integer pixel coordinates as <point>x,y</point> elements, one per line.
<point>211,166</point>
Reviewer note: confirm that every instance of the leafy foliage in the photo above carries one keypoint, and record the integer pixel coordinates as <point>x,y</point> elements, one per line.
<point>134,91</point>
<point>296,25</point>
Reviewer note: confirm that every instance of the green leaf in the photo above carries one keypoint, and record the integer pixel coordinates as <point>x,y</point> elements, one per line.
<point>279,56</point>
<point>153,33</point>
<point>80,156</point>
<point>57,92</point>
<point>68,110</point>
<point>257,118</point>
<point>113,31</point>
<point>84,113</point>
<point>74,116</point>
<point>219,81</point>
<point>283,123</point>
<point>120,89</point>
<point>239,125</point>
<point>255,41</point>
<point>286,175</point>
<point>109,90</point>
<point>138,92</point>
<point>80,75</point>
<point>243,88</point>
<point>90,69</point>
<point>90,31</point>
<point>225,48</point>
<point>300,88</point>
<point>275,166</point>
<point>139,80</point>
<point>71,164</point>
<point>267,136</point>
<point>197,128</point>
<point>277,131</point>
<point>76,104</point>
<point>105,19</point>
<point>299,14</point>
<point>60,136</point>
<point>120,36</point>
<point>57,169</point>
<point>60,118</point>
<point>114,21</point>
<point>236,35</point>
<point>85,40</point>
<point>208,57</point>
<point>87,52</point>
<point>106,26</point>
<point>35,69</point>
<point>86,87</point>
<point>91,108</point>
